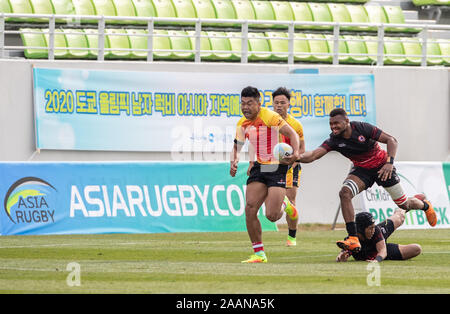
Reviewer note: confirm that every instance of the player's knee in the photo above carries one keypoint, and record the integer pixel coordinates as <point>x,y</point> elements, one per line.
<point>345,194</point>
<point>272,217</point>
<point>251,211</point>
<point>400,215</point>
<point>416,249</point>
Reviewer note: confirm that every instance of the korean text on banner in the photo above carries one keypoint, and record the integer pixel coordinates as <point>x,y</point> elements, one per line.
<point>185,111</point>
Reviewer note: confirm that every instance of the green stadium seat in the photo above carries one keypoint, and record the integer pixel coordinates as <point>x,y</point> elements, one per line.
<point>244,10</point>
<point>319,48</point>
<point>282,11</point>
<point>117,40</point>
<point>181,43</point>
<point>339,13</point>
<point>164,8</point>
<point>63,7</point>
<point>224,10</point>
<point>76,38</point>
<point>355,45</point>
<point>220,43</point>
<point>302,13</point>
<point>125,8</point>
<point>92,38</point>
<point>278,47</point>
<point>42,7</point>
<point>184,9</point>
<point>263,11</point>
<point>5,7</point>
<point>259,48</point>
<point>433,53</point>
<point>376,14</point>
<point>105,8</point>
<point>21,6</point>
<point>34,40</point>
<point>205,9</point>
<point>144,8</point>
<point>445,51</point>
<point>372,48</point>
<point>342,48</point>
<point>161,41</point>
<point>205,45</point>
<point>413,47</point>
<point>395,15</point>
<point>393,45</point>
<point>59,42</point>
<point>358,14</point>
<point>236,45</point>
<point>320,13</point>
<point>137,41</point>
<point>84,7</point>
<point>301,47</point>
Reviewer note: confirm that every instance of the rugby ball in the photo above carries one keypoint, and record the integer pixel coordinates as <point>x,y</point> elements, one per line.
<point>282,150</point>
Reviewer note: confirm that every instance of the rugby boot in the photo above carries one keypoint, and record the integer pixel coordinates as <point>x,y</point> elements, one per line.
<point>350,243</point>
<point>256,258</point>
<point>430,213</point>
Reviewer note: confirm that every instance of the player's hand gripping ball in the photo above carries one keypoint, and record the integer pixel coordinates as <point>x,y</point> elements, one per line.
<point>282,150</point>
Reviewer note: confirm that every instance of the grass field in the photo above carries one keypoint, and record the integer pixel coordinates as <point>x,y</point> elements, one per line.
<point>210,263</point>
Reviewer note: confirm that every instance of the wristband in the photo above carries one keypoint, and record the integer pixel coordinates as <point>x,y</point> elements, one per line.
<point>378,258</point>
<point>390,160</point>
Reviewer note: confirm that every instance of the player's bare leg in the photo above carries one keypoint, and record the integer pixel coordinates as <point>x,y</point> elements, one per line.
<point>291,193</point>
<point>274,199</point>
<point>418,202</point>
<point>352,186</point>
<point>398,218</point>
<point>255,195</point>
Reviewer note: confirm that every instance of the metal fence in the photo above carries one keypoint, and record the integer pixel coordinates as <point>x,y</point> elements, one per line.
<point>336,29</point>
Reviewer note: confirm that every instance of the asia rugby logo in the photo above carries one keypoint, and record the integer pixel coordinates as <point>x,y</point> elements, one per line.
<point>28,200</point>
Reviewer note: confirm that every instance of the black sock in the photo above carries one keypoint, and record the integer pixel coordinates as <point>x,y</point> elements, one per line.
<point>351,228</point>
<point>292,233</point>
<point>425,206</point>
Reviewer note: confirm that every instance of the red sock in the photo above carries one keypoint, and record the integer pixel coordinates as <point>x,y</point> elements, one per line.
<point>258,246</point>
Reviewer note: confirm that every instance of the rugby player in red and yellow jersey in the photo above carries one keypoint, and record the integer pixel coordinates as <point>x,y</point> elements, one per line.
<point>267,179</point>
<point>358,141</point>
<point>281,103</point>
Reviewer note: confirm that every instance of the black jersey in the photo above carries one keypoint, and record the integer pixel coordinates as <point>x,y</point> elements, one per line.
<point>361,148</point>
<point>369,246</point>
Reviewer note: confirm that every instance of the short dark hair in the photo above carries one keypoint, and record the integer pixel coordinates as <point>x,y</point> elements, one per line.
<point>338,111</point>
<point>282,91</point>
<point>250,91</point>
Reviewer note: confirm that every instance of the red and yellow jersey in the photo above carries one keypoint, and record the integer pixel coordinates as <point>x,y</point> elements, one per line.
<point>262,133</point>
<point>297,126</point>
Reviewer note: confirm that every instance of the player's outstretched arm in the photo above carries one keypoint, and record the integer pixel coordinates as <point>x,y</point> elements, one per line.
<point>312,155</point>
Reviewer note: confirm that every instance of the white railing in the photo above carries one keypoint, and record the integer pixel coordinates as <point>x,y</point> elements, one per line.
<point>74,21</point>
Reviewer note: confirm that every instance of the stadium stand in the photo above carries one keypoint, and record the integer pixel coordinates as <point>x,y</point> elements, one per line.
<point>315,28</point>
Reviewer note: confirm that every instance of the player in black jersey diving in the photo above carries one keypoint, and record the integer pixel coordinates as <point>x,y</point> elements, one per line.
<point>358,141</point>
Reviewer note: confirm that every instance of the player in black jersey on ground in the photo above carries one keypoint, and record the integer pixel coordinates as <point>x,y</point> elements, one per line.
<point>373,240</point>
<point>358,141</point>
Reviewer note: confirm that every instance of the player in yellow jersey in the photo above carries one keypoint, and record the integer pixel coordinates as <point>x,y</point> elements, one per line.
<point>281,103</point>
<point>267,179</point>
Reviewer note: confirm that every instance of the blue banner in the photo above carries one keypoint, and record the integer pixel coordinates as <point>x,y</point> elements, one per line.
<point>122,197</point>
<point>180,111</point>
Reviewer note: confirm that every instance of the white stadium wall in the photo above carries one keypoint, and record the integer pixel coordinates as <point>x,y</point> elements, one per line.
<point>412,104</point>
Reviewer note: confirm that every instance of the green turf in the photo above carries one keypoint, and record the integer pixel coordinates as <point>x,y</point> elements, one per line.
<point>210,263</point>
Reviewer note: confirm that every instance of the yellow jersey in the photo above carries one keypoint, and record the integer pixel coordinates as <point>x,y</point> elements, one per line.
<point>262,133</point>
